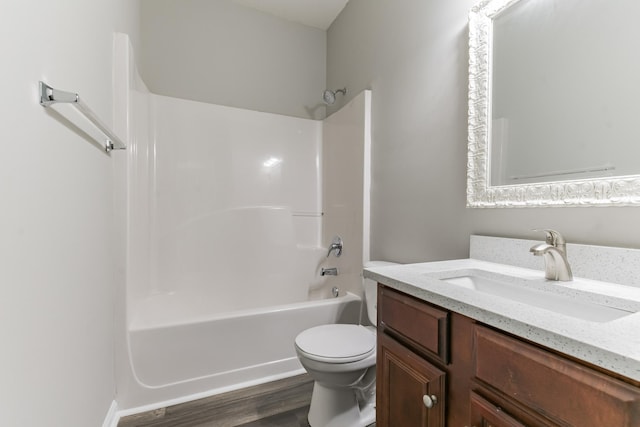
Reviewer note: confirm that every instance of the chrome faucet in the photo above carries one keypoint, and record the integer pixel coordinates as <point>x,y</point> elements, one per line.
<point>329,271</point>
<point>554,253</point>
<point>336,245</point>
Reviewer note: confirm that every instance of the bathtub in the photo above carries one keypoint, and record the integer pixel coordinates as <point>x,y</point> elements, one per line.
<point>176,358</point>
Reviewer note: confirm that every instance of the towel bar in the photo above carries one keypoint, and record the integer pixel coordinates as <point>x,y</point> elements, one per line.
<point>49,96</point>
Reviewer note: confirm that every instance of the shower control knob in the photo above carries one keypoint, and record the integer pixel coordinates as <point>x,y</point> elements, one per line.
<point>336,245</point>
<point>429,401</point>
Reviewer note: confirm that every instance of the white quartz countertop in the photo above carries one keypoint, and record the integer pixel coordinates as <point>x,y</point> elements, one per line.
<point>613,345</point>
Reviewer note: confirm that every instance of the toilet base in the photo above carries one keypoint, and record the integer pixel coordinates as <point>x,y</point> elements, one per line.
<point>331,407</point>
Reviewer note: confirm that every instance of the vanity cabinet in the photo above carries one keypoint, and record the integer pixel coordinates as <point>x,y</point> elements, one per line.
<point>483,377</point>
<point>421,350</point>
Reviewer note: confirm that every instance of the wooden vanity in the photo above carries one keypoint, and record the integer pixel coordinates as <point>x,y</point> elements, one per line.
<point>439,368</point>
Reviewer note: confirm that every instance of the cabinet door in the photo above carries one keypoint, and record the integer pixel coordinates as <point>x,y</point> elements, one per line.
<point>485,414</point>
<point>411,391</point>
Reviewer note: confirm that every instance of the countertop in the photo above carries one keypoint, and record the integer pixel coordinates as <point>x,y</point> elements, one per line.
<point>613,345</point>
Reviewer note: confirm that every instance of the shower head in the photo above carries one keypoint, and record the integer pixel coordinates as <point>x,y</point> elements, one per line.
<point>329,96</point>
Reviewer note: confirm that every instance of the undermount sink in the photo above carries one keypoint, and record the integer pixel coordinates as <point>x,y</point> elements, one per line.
<point>523,292</point>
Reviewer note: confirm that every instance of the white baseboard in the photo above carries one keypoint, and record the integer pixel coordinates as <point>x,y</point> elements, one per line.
<point>112,418</point>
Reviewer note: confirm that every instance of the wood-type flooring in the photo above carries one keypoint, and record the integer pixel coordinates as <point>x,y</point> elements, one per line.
<point>283,403</point>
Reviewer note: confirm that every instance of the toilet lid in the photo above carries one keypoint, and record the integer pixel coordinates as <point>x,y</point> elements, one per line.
<point>336,343</point>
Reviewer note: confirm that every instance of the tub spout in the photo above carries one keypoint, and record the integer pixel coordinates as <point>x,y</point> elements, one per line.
<point>329,272</point>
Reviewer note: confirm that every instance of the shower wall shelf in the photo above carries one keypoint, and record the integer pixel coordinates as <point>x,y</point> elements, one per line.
<point>50,96</point>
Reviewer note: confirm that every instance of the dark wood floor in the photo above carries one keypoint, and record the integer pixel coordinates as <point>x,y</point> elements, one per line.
<point>295,418</point>
<point>287,398</point>
<point>283,403</point>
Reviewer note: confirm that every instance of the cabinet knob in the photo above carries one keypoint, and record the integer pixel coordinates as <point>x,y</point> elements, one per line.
<point>429,401</point>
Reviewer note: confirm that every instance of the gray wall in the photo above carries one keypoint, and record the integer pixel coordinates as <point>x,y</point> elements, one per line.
<point>59,239</point>
<point>223,53</point>
<point>413,55</point>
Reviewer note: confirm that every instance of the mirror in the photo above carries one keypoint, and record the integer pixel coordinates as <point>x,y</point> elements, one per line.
<point>553,103</point>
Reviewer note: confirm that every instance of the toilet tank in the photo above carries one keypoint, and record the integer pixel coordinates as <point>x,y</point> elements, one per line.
<point>371,291</point>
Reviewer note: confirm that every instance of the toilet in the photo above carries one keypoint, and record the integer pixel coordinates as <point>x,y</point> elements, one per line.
<point>342,361</point>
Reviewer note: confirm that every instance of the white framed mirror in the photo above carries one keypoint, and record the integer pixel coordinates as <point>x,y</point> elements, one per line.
<point>554,103</point>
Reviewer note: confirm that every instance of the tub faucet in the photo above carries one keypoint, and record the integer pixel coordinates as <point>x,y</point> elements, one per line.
<point>336,245</point>
<point>329,272</point>
<point>554,253</point>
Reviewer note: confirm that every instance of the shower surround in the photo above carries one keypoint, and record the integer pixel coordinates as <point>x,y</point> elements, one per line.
<point>226,237</point>
<point>235,205</point>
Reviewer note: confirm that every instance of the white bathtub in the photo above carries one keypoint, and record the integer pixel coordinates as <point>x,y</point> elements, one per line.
<point>175,361</point>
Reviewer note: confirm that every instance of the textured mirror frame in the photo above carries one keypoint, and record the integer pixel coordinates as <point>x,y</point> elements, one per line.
<point>616,191</point>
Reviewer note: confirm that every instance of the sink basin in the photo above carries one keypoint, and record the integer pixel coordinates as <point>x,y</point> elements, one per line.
<point>520,292</point>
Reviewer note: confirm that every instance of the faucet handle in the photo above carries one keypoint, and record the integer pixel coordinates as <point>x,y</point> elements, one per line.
<point>553,238</point>
<point>336,245</point>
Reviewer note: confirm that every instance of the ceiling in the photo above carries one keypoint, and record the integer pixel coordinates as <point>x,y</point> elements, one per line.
<point>315,13</point>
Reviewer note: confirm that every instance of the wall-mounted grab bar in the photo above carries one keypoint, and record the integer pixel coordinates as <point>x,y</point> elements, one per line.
<point>49,96</point>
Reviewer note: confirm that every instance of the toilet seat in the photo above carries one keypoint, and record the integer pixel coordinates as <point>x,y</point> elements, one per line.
<point>336,343</point>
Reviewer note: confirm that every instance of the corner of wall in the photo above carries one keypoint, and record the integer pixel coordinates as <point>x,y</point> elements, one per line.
<point>112,418</point>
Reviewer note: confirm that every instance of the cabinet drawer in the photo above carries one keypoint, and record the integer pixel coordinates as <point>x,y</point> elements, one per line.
<point>424,326</point>
<point>562,390</point>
